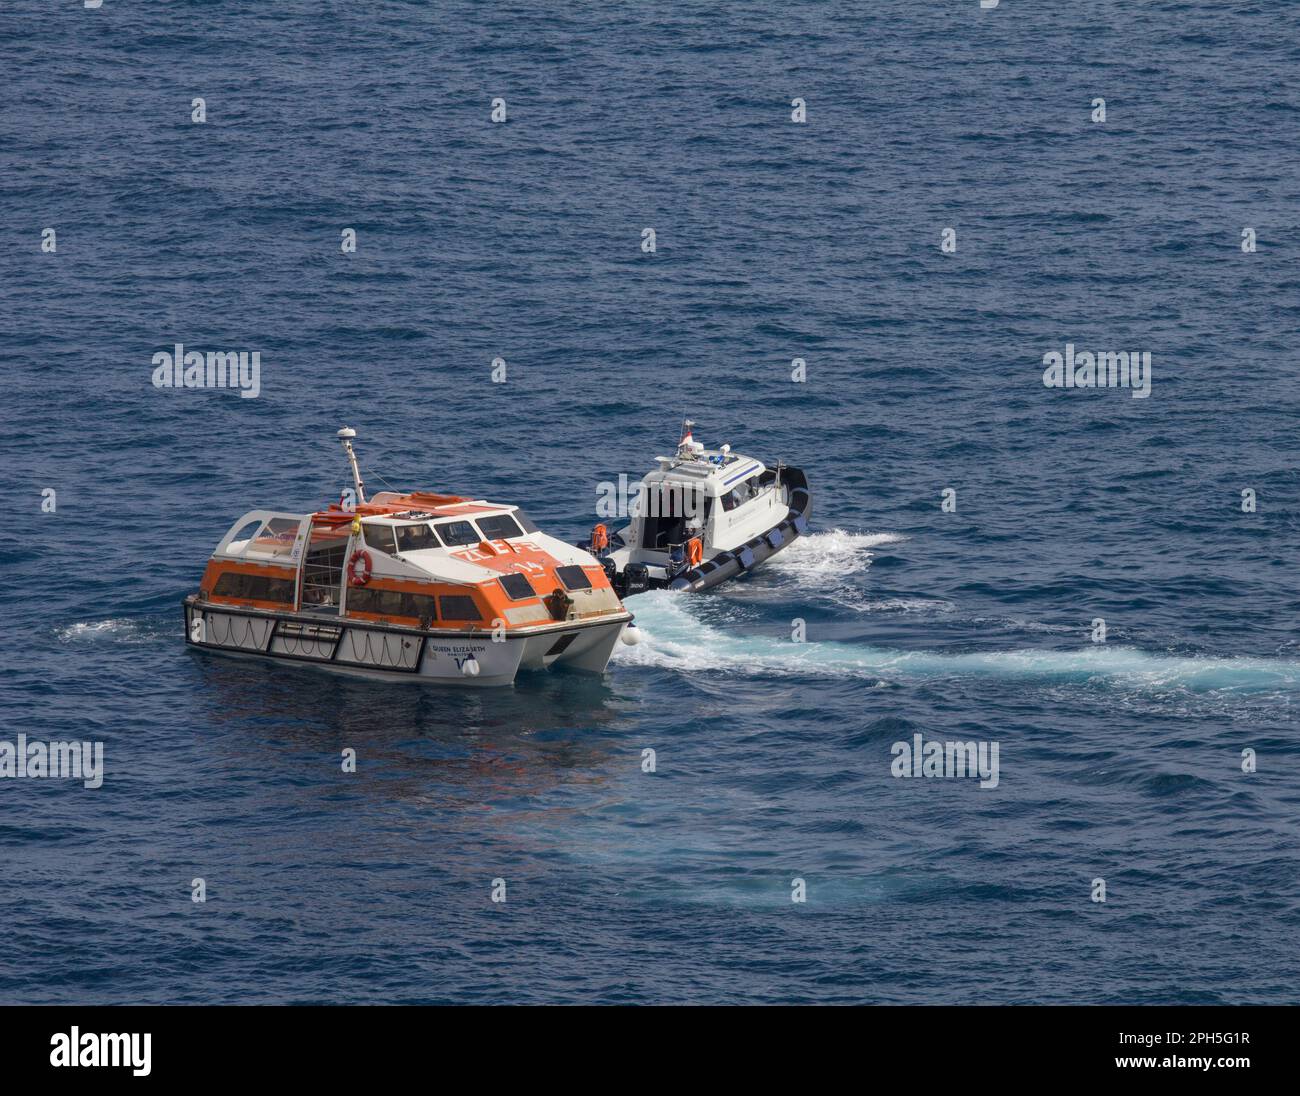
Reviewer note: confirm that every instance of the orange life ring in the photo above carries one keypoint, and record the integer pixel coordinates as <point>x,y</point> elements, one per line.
<point>599,538</point>
<point>360,567</point>
<point>694,552</point>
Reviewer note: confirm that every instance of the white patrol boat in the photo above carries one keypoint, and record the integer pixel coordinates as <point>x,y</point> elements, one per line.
<point>701,517</point>
<point>406,587</point>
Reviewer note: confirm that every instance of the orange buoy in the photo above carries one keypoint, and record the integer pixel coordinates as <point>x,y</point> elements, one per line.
<point>694,552</point>
<point>599,538</point>
<point>360,567</point>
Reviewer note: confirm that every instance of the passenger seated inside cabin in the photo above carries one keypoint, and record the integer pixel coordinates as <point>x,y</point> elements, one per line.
<point>741,494</point>
<point>317,595</point>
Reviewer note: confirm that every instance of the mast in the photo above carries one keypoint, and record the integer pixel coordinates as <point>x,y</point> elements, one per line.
<point>683,446</point>
<point>345,436</point>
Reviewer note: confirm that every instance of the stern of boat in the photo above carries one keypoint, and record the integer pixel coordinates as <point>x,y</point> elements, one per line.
<point>586,648</point>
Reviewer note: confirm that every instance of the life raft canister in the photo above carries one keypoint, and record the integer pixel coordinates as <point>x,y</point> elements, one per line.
<point>599,538</point>
<point>694,552</point>
<point>360,567</point>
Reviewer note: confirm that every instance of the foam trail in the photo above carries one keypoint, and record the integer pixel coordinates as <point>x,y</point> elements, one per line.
<point>91,628</point>
<point>825,565</point>
<point>831,554</point>
<point>673,639</point>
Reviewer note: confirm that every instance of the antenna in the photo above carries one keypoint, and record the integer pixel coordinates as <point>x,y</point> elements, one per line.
<point>345,436</point>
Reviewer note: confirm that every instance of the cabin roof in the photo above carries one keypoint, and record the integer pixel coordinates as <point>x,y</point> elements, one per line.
<point>415,505</point>
<point>703,470</point>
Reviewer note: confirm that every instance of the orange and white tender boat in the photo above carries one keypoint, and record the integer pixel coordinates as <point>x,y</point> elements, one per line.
<point>413,587</point>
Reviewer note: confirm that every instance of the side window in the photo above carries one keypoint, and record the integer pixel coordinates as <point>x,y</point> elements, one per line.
<point>234,584</point>
<point>379,537</point>
<point>741,493</point>
<point>275,539</point>
<point>238,541</point>
<point>456,533</point>
<point>390,603</point>
<point>457,607</point>
<point>361,600</point>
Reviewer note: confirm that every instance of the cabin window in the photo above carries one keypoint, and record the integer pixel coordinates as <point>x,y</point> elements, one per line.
<point>379,537</point>
<point>396,603</point>
<point>246,533</point>
<point>276,538</point>
<point>499,527</point>
<point>517,586</point>
<point>413,538</point>
<point>743,492</point>
<point>529,526</point>
<point>456,533</point>
<point>573,577</point>
<point>235,584</point>
<point>458,607</point>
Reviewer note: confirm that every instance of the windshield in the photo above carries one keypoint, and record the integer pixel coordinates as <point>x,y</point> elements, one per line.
<point>411,538</point>
<point>499,527</point>
<point>456,533</point>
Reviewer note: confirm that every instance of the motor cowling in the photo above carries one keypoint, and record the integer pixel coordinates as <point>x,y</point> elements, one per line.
<point>636,577</point>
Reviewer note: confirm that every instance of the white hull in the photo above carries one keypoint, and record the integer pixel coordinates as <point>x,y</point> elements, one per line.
<point>377,652</point>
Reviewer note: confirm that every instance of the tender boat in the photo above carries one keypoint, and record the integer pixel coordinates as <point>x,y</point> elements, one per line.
<point>703,516</point>
<point>413,587</point>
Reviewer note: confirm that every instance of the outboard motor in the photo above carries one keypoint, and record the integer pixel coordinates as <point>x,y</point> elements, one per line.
<point>611,569</point>
<point>637,578</point>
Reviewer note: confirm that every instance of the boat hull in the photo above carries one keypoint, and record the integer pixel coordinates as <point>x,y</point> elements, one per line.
<point>393,653</point>
<point>728,565</point>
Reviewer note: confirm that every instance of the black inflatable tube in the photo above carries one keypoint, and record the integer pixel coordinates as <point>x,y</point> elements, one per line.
<point>749,555</point>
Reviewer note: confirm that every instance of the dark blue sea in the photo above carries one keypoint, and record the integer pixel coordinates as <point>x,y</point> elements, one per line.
<point>775,240</point>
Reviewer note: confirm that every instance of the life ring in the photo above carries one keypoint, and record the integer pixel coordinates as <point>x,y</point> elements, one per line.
<point>599,539</point>
<point>360,567</point>
<point>694,552</point>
